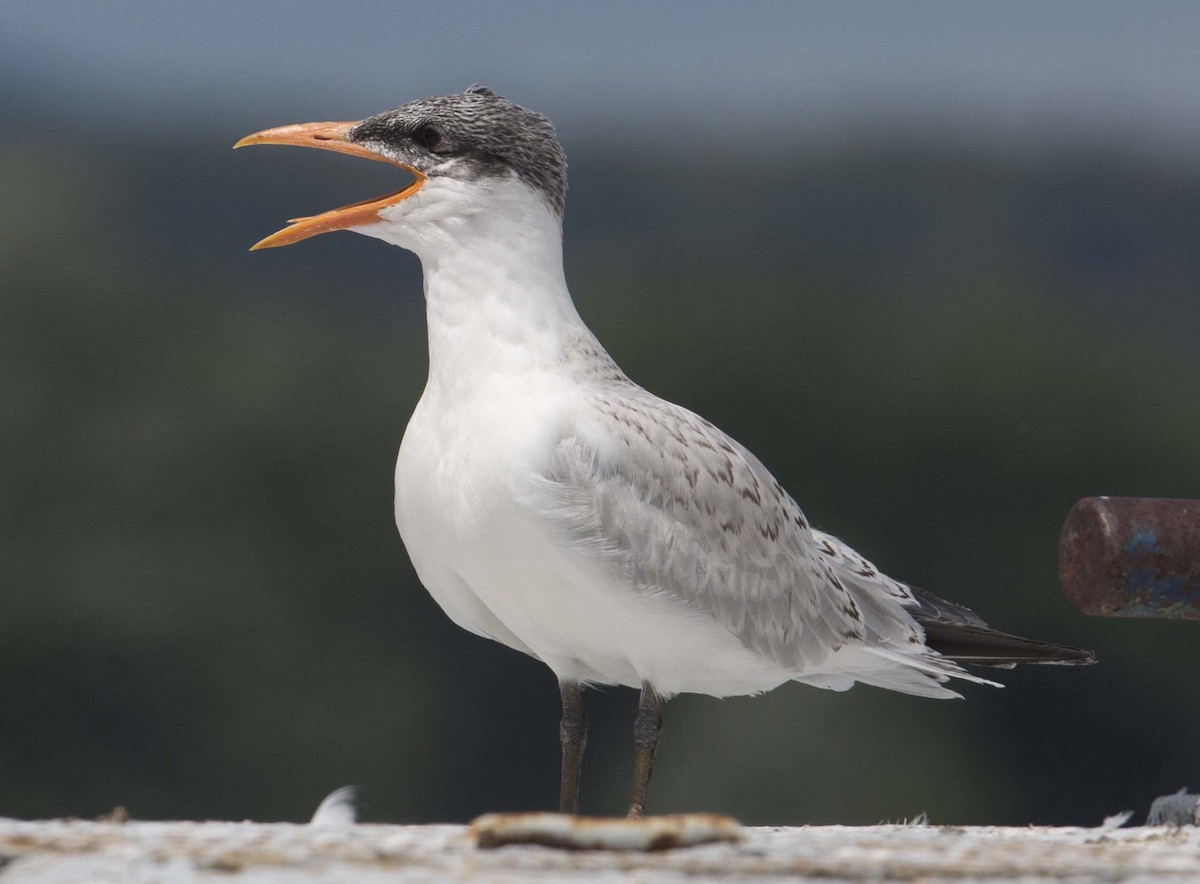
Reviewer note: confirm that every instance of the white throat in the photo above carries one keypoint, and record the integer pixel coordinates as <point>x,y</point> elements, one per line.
<point>496,297</point>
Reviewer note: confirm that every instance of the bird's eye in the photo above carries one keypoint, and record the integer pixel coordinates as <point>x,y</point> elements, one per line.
<point>429,137</point>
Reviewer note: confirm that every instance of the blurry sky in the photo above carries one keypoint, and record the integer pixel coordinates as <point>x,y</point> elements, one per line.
<point>1018,71</point>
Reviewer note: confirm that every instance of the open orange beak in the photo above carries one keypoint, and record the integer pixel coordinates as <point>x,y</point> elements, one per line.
<point>329,136</point>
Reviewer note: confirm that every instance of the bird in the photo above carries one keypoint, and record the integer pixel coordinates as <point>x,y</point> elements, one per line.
<point>551,504</point>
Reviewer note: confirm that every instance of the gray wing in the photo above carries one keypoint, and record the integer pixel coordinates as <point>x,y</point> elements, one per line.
<point>674,506</point>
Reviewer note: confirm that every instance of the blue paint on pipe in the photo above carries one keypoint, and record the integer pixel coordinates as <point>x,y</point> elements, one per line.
<point>1150,593</point>
<point>1141,540</point>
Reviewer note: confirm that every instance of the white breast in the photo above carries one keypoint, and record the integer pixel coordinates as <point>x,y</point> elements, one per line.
<point>456,475</point>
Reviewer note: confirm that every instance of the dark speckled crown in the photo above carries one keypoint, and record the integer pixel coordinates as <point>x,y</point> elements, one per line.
<point>489,134</point>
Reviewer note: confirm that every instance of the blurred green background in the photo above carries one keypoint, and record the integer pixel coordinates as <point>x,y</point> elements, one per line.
<point>935,263</point>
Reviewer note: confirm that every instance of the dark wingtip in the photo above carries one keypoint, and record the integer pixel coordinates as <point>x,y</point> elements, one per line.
<point>983,646</point>
<point>958,633</point>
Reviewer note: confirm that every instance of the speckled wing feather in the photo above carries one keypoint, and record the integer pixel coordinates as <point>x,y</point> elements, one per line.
<point>677,507</point>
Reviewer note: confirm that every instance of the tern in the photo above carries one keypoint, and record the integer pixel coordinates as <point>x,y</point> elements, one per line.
<point>551,504</point>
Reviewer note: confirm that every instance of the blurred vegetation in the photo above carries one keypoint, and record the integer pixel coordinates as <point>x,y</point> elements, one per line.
<point>205,610</point>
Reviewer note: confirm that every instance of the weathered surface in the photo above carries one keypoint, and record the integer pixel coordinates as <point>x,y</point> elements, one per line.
<point>74,851</point>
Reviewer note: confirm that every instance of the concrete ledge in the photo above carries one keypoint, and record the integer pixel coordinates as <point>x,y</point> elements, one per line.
<point>132,852</point>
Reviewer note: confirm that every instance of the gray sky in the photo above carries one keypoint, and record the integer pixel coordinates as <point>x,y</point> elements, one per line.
<point>1127,72</point>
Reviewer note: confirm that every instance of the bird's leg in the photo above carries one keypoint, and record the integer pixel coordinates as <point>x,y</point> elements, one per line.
<point>647,728</point>
<point>572,734</point>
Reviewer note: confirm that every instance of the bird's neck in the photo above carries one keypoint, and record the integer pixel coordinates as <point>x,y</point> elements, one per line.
<point>495,294</point>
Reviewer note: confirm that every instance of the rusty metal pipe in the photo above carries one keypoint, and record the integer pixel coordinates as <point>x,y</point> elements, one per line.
<point>1132,557</point>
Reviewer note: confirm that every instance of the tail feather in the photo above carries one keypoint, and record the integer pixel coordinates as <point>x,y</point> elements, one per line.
<point>959,634</point>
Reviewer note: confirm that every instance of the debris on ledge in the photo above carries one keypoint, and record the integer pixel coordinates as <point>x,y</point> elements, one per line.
<point>1180,809</point>
<point>603,832</point>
